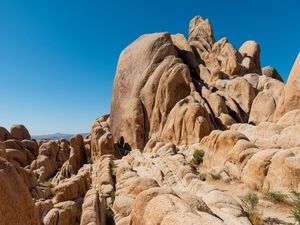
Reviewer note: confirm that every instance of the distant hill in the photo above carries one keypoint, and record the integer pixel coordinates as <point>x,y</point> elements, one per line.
<point>55,136</point>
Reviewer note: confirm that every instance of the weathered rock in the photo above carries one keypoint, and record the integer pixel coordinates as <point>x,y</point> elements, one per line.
<point>63,213</point>
<point>290,118</point>
<point>200,29</point>
<point>153,106</point>
<point>185,52</point>
<point>187,123</point>
<point>73,188</point>
<point>32,146</point>
<point>46,165</point>
<point>223,57</point>
<point>93,209</point>
<point>269,71</point>
<point>251,50</point>
<point>75,162</point>
<point>16,206</point>
<point>263,108</point>
<point>4,134</point>
<point>290,99</point>
<point>218,145</point>
<point>102,141</point>
<point>43,207</point>
<point>257,168</point>
<point>242,92</point>
<point>64,151</point>
<point>284,165</point>
<point>136,64</point>
<point>19,132</point>
<point>2,151</point>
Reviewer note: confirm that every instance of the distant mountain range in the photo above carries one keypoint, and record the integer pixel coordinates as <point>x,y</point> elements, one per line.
<point>55,136</point>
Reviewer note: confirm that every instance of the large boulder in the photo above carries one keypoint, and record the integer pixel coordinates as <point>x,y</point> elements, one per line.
<point>222,57</point>
<point>270,71</point>
<point>102,141</point>
<point>4,134</point>
<point>251,53</point>
<point>3,153</point>
<point>263,108</point>
<point>73,188</point>
<point>17,206</point>
<point>76,159</point>
<point>63,213</point>
<point>185,52</point>
<point>93,209</point>
<point>19,131</point>
<point>136,64</point>
<point>152,91</point>
<point>45,166</point>
<point>290,99</point>
<point>158,206</point>
<point>284,165</point>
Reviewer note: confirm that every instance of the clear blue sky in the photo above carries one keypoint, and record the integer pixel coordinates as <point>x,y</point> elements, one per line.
<point>58,57</point>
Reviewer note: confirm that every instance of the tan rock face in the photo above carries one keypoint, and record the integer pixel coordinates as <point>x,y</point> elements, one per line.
<point>251,52</point>
<point>17,205</point>
<point>62,213</point>
<point>76,159</point>
<point>171,97</point>
<point>147,81</point>
<point>102,141</point>
<point>46,165</point>
<point>290,99</point>
<point>269,71</point>
<point>137,62</point>
<point>93,209</point>
<point>72,188</point>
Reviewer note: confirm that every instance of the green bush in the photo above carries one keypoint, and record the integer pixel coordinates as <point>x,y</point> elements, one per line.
<point>113,168</point>
<point>47,183</point>
<point>112,195</point>
<point>198,157</point>
<point>296,207</point>
<point>250,202</point>
<point>277,196</point>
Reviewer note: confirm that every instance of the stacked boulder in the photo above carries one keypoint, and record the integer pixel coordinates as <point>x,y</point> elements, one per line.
<point>42,182</point>
<point>170,94</point>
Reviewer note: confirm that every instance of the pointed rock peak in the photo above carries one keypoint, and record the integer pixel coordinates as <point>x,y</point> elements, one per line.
<point>201,29</point>
<point>295,72</point>
<point>291,97</point>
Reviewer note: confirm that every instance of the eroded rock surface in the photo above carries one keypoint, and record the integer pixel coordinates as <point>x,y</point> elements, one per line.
<point>172,97</point>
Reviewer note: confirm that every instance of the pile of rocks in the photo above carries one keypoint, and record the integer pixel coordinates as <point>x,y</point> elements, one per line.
<point>42,182</point>
<point>171,96</point>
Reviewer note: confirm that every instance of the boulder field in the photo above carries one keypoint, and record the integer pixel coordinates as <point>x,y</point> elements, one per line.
<point>172,96</point>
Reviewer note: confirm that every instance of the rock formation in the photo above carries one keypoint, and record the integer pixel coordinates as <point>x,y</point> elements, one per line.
<point>172,97</point>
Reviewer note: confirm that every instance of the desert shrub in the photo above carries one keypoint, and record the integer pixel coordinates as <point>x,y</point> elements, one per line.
<point>202,176</point>
<point>250,202</point>
<point>277,196</point>
<point>112,195</point>
<point>296,207</point>
<point>47,183</point>
<point>198,157</point>
<point>113,168</point>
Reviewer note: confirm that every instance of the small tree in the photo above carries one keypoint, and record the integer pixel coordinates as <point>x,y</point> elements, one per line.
<point>198,157</point>
<point>250,202</point>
